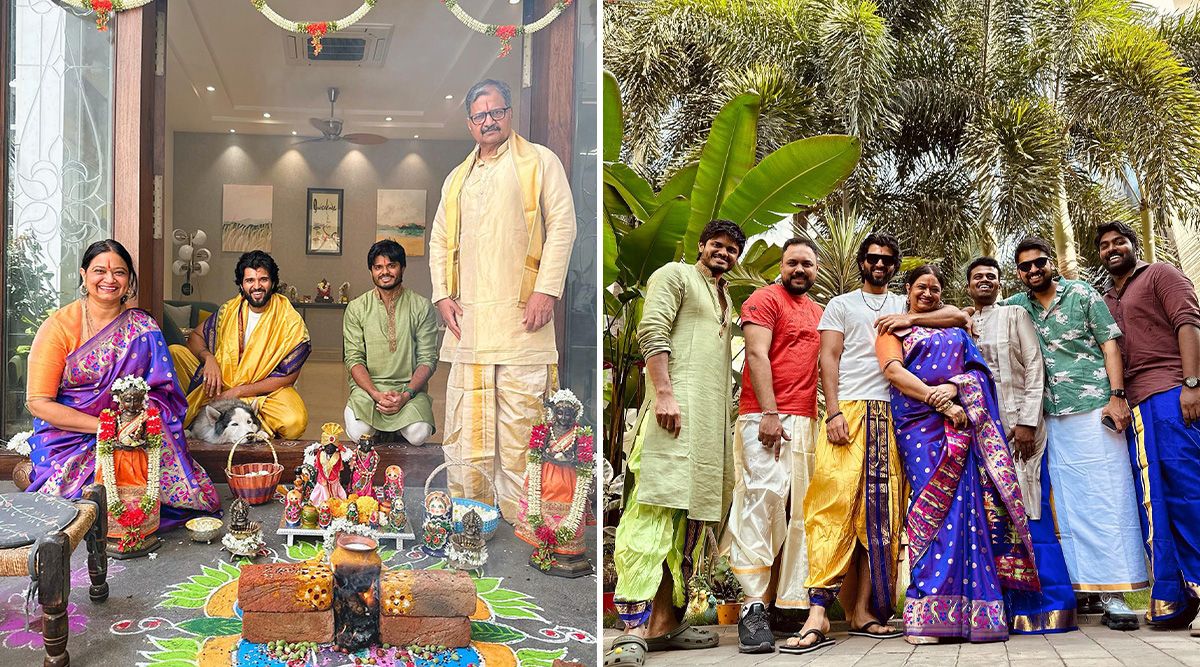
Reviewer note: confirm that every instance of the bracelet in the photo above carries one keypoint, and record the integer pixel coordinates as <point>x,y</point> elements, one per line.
<point>770,412</point>
<point>830,417</point>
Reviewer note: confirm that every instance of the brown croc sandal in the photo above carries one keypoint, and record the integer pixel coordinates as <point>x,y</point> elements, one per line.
<point>626,651</point>
<point>683,638</point>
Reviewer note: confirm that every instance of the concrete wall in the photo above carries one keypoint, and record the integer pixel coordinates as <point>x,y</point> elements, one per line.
<point>203,163</point>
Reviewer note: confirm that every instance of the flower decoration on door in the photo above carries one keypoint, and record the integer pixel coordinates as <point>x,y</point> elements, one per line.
<point>505,32</point>
<point>314,29</point>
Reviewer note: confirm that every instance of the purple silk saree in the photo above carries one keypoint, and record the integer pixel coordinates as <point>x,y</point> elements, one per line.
<point>64,462</point>
<point>967,530</point>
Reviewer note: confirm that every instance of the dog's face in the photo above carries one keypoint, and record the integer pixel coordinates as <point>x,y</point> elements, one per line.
<point>234,424</point>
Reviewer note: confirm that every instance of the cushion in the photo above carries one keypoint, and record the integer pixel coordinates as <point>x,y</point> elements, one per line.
<point>204,315</point>
<point>24,517</point>
<point>177,317</point>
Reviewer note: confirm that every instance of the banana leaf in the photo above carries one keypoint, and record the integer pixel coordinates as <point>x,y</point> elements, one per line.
<point>613,126</point>
<point>632,190</point>
<point>726,158</point>
<point>653,244</point>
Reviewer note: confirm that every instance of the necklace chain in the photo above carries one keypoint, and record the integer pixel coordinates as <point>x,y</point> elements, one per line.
<point>863,294</point>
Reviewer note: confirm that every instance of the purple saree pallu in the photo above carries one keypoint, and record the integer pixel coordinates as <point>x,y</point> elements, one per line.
<point>64,462</point>
<point>968,534</point>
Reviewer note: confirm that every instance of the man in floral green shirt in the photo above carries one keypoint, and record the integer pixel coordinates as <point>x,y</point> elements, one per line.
<point>1086,421</point>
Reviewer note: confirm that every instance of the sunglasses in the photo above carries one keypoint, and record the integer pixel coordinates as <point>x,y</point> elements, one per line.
<point>873,259</point>
<point>1040,263</point>
<point>495,114</point>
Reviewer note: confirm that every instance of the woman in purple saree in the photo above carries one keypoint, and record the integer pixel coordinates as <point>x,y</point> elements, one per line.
<point>79,351</point>
<point>967,530</point>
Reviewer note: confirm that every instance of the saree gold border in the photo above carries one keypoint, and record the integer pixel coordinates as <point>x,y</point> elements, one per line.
<point>1111,588</point>
<point>1060,619</point>
<point>1160,608</point>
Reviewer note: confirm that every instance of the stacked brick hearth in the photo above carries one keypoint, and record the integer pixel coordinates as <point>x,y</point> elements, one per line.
<point>293,602</point>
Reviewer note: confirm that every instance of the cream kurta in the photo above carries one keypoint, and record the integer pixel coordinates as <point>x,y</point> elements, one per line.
<point>1010,346</point>
<point>492,249</point>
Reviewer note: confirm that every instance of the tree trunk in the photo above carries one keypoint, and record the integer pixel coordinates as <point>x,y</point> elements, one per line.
<point>1150,248</point>
<point>1064,234</point>
<point>1187,246</point>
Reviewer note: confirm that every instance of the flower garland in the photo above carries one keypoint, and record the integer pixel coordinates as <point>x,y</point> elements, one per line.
<point>314,29</point>
<point>568,527</point>
<point>505,32</point>
<point>130,516</point>
<point>105,9</point>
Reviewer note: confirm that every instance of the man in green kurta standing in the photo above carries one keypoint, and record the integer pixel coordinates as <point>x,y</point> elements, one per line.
<point>390,350</point>
<point>681,463</point>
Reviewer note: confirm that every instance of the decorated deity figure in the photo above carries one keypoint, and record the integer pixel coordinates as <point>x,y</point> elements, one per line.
<point>467,550</point>
<point>329,467</point>
<point>393,484</point>
<point>344,292</point>
<point>129,452</point>
<point>291,510</point>
<point>364,463</point>
<point>437,525</point>
<point>324,292</point>
<point>558,478</point>
<point>239,515</point>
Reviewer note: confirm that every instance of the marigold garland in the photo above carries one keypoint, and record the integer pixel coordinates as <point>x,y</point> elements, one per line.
<point>104,9</point>
<point>314,29</point>
<point>505,32</point>
<point>130,516</point>
<point>568,526</point>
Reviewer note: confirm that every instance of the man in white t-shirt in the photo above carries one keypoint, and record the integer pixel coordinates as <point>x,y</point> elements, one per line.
<point>854,507</point>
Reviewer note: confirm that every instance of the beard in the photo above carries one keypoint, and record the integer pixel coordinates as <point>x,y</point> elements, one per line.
<point>797,290</point>
<point>1047,284</point>
<point>256,304</point>
<point>388,288</point>
<point>869,276</point>
<point>1128,261</point>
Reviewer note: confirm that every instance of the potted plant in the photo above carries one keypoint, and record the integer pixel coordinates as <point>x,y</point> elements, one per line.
<point>727,591</point>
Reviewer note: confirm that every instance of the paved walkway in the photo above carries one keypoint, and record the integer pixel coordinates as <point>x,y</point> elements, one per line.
<point>1092,646</point>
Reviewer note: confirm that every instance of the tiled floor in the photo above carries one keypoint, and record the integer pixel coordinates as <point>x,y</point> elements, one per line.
<point>324,387</point>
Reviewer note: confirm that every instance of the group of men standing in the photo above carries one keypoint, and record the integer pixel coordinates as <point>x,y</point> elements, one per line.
<point>1100,404</point>
<point>498,254</point>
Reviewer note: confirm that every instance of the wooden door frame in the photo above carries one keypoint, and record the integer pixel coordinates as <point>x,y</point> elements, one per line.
<point>6,10</point>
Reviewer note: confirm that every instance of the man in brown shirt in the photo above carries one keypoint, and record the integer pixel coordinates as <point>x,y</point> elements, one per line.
<point>1156,306</point>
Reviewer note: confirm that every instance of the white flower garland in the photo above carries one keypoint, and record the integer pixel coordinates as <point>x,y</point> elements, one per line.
<point>505,32</point>
<point>127,382</point>
<point>19,443</point>
<point>104,9</point>
<point>343,525</point>
<point>314,29</point>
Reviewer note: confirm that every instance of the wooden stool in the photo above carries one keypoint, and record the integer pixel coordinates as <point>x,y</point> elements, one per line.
<point>51,567</point>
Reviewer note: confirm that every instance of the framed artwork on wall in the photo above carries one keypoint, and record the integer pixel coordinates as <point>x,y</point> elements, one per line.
<point>245,218</point>
<point>400,216</point>
<point>324,233</point>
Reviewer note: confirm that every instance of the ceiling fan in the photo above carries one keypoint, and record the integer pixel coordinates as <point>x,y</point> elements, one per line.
<point>331,128</point>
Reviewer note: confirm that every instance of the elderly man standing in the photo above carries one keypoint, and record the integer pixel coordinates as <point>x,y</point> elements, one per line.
<point>774,441</point>
<point>1010,346</point>
<point>498,256</point>
<point>681,464</point>
<point>1161,350</point>
<point>1095,505</point>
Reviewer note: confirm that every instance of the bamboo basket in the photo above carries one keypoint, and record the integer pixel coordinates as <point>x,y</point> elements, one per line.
<point>254,489</point>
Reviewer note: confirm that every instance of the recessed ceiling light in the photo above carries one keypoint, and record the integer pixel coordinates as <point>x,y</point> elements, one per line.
<point>449,97</point>
<point>266,115</point>
<point>513,2</point>
<point>294,133</point>
<point>416,136</point>
<point>232,131</point>
<point>211,89</point>
<point>388,119</point>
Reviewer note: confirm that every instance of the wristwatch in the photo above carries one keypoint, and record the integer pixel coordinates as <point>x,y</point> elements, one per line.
<point>1191,382</point>
<point>1117,393</point>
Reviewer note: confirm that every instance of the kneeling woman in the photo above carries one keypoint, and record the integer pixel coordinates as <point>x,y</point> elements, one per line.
<point>967,531</point>
<point>77,356</point>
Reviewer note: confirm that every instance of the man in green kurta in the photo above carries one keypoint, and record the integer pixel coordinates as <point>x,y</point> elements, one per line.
<point>681,463</point>
<point>390,350</point>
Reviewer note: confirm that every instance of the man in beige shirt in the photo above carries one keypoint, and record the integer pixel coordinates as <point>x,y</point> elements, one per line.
<point>498,256</point>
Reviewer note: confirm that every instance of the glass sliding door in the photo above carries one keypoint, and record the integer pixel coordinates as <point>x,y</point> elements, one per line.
<point>59,190</point>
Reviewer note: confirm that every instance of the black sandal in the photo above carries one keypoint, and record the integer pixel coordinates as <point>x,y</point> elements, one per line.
<point>891,633</point>
<point>822,642</point>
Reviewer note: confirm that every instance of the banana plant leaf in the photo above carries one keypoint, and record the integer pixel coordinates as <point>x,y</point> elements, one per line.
<point>654,242</point>
<point>610,252</point>
<point>613,125</point>
<point>680,184</point>
<point>797,175</point>
<point>728,155</point>
<point>634,192</point>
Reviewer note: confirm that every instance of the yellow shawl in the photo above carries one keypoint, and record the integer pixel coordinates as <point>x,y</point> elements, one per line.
<point>529,174</point>
<point>279,331</point>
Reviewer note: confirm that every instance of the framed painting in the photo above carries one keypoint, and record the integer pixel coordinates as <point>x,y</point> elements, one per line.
<point>324,231</point>
<point>401,217</point>
<point>246,218</point>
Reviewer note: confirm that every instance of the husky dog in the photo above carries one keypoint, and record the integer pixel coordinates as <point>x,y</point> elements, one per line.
<point>228,420</point>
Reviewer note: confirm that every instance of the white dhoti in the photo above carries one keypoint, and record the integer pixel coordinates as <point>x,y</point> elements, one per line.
<point>490,410</point>
<point>767,513</point>
<point>1095,504</point>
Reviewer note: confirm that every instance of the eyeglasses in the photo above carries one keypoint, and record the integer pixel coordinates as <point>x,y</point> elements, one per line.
<point>873,259</point>
<point>1040,262</point>
<point>495,114</point>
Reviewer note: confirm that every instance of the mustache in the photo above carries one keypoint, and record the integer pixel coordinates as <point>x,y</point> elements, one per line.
<point>488,129</point>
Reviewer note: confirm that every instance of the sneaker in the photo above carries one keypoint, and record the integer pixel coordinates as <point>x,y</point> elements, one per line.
<point>1117,614</point>
<point>754,630</point>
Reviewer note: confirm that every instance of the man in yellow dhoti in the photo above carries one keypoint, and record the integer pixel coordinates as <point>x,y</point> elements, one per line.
<point>251,349</point>
<point>498,256</point>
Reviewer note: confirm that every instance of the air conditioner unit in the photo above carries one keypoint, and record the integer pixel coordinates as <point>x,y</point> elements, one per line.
<point>360,45</point>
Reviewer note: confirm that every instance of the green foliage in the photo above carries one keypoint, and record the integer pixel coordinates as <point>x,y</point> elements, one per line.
<point>195,592</point>
<point>532,657</point>
<point>494,633</point>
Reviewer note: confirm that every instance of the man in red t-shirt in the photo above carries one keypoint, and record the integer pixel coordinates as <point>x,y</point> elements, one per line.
<point>773,442</point>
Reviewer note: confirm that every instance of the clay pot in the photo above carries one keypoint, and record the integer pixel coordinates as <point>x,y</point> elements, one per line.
<point>727,613</point>
<point>356,567</point>
<point>22,474</point>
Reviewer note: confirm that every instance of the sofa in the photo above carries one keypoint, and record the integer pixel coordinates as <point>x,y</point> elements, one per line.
<point>179,315</point>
